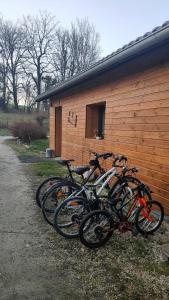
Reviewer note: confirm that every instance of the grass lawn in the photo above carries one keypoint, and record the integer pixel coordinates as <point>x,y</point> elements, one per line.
<point>127,268</point>
<point>47,169</point>
<point>8,119</point>
<point>37,150</point>
<point>4,132</point>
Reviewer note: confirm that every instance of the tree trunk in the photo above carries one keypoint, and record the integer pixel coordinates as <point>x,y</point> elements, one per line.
<point>15,97</point>
<point>4,102</point>
<point>39,82</point>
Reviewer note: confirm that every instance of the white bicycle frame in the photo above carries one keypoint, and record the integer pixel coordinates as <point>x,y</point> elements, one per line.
<point>109,174</point>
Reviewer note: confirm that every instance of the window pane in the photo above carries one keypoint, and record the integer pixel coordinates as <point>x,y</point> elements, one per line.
<point>95,120</point>
<point>101,120</point>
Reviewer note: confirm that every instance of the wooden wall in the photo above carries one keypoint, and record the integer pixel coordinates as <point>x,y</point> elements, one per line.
<point>136,124</point>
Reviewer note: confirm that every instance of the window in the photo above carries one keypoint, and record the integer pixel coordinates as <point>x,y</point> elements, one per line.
<point>95,120</point>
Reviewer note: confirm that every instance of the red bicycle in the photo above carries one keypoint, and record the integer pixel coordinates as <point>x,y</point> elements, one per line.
<point>132,212</point>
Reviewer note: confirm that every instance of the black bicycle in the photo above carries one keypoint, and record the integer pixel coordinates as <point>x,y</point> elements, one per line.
<point>49,182</point>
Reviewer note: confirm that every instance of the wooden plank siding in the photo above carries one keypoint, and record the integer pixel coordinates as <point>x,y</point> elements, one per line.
<point>136,124</point>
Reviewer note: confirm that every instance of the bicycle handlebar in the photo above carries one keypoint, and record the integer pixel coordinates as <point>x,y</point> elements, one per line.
<point>103,155</point>
<point>133,170</point>
<point>119,159</point>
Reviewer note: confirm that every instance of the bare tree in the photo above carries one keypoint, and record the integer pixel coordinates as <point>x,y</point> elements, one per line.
<point>75,49</point>
<point>38,53</point>
<point>12,53</point>
<point>39,38</point>
<point>85,48</point>
<point>48,82</point>
<point>61,55</point>
<point>29,93</point>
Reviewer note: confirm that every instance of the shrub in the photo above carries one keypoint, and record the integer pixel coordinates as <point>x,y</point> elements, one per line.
<point>40,118</point>
<point>28,131</point>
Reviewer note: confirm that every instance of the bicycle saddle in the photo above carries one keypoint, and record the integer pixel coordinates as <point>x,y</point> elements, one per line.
<point>65,162</point>
<point>81,170</point>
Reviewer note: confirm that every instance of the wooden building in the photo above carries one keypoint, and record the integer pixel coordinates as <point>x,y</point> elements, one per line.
<point>119,104</point>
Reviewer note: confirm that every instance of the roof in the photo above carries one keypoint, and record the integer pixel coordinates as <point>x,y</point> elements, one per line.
<point>150,40</point>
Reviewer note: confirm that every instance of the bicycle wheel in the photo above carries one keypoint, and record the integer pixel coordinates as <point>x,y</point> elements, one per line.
<point>68,216</point>
<point>149,218</point>
<point>96,229</point>
<point>55,195</point>
<point>44,186</point>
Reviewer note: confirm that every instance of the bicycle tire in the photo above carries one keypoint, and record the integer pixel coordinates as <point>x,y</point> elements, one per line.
<point>84,227</point>
<point>38,196</point>
<point>53,190</point>
<point>73,221</point>
<point>139,222</point>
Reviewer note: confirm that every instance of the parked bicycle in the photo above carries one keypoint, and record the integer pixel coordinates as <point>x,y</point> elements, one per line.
<point>47,183</point>
<point>142,216</point>
<point>62,190</point>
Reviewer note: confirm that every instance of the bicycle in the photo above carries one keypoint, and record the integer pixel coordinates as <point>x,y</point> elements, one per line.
<point>98,226</point>
<point>60,191</point>
<point>47,183</point>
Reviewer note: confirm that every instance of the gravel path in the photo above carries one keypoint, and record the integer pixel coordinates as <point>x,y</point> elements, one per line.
<point>27,262</point>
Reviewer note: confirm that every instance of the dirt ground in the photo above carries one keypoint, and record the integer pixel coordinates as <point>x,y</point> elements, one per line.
<point>36,263</point>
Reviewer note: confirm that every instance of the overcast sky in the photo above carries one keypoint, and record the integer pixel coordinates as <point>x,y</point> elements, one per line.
<point>117,21</point>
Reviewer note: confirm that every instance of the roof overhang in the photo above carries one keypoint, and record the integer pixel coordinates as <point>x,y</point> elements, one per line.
<point>142,45</point>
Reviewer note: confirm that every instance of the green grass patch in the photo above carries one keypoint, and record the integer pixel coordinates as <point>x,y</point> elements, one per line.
<point>39,145</point>
<point>46,169</point>
<point>158,268</point>
<point>18,148</point>
<point>4,132</point>
<point>36,148</point>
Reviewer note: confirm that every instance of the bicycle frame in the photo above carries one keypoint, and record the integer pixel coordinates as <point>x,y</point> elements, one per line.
<point>85,188</point>
<point>109,175</point>
<point>71,178</point>
<point>139,198</point>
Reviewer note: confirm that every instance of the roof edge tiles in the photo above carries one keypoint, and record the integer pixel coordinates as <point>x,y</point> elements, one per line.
<point>140,45</point>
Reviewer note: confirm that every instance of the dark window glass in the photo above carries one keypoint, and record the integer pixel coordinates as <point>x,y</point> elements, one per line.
<point>95,120</point>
